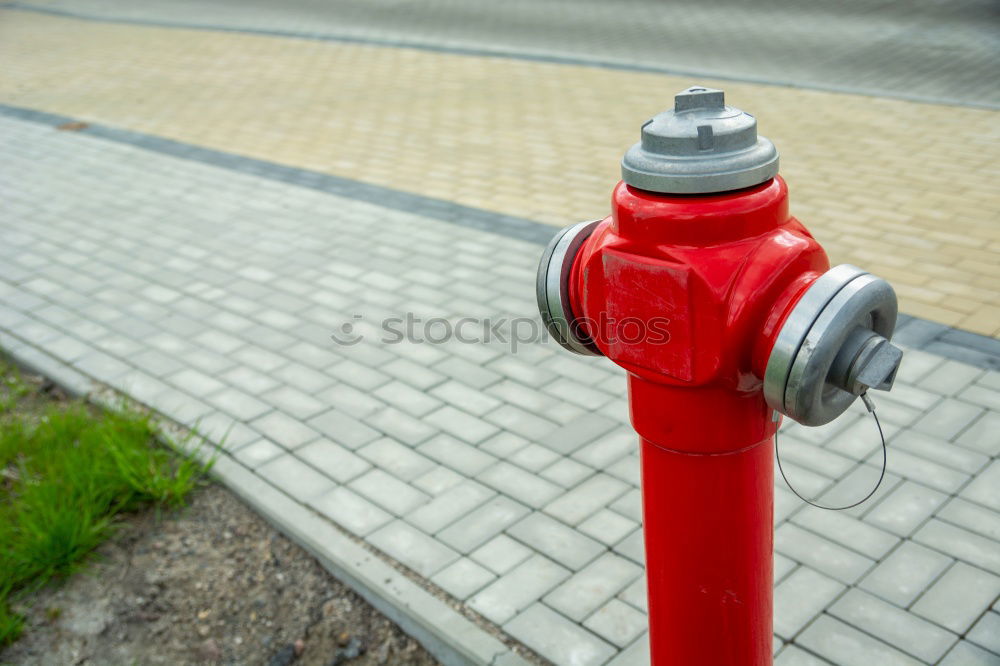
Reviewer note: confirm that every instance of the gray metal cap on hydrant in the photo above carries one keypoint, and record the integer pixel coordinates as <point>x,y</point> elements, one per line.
<point>698,147</point>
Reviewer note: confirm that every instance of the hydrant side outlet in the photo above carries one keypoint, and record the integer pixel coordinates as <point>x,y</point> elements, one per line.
<point>723,310</point>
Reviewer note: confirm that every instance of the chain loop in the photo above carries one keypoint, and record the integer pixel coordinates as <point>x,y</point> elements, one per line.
<point>870,406</point>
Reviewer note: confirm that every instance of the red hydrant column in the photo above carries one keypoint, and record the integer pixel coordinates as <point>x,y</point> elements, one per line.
<point>710,583</point>
<point>708,521</point>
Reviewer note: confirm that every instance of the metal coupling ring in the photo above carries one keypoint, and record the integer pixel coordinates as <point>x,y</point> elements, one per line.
<point>805,377</point>
<point>552,288</point>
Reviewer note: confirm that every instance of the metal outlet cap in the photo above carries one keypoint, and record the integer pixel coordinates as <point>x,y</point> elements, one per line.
<point>552,288</point>
<point>699,147</point>
<point>833,346</point>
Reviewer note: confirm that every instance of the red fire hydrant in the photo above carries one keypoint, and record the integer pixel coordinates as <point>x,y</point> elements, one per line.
<point>724,311</point>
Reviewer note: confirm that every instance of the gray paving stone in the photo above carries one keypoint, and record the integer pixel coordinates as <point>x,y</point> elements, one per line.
<point>283,429</point>
<point>248,379</point>
<point>256,454</point>
<point>821,554</point>
<point>399,460</point>
<point>591,587</point>
<point>463,458</point>
<point>413,374</point>
<point>950,377</point>
<point>523,396</point>
<point>236,403</point>
<point>793,655</point>
<point>586,499</point>
<point>972,517</point>
<point>985,489</point>
<point>343,429</point>
<point>566,472</point>
<point>858,483</point>
<point>931,474</point>
<point>463,578</point>
<point>932,448</point>
<point>467,373</point>
<point>982,396</point>
<point>617,622</point>
<point>292,401</point>
<point>957,599</point>
<point>986,632</point>
<point>557,639</point>
<point>629,505</point>
<point>413,548</point>
<point>515,419</point>
<point>294,477</point>
<point>260,359</point>
<point>460,424</point>
<point>351,511</point>
<point>903,630</point>
<point>503,444</point>
<point>607,527</point>
<point>388,492</point>
<point>410,400</point>
<point>906,508</point>
<point>357,375</point>
<point>465,397</point>
<point>607,449</point>
<point>635,594</point>
<point>948,418</point>
<point>518,370</point>
<point>400,426</point>
<point>517,589</point>
<point>960,543</point>
<point>800,598</point>
<point>350,400</point>
<point>578,393</point>
<point>632,547</point>
<point>966,654</point>
<point>303,378</point>
<point>477,527</point>
<point>845,646</point>
<point>518,483</point>
<point>574,435</point>
<point>333,460</point>
<point>501,554</point>
<point>905,573</point>
<point>449,506</point>
<point>983,435</point>
<point>847,531</point>
<point>437,480</point>
<point>533,457</point>
<point>554,539</point>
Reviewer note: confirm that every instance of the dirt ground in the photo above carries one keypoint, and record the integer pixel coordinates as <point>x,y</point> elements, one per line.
<point>212,583</point>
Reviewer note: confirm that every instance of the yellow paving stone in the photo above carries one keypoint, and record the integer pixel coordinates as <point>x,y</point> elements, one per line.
<point>908,188</point>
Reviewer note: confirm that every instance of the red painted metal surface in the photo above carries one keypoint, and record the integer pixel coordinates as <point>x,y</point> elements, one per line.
<point>687,294</point>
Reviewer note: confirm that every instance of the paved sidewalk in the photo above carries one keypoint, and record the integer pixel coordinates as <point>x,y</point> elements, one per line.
<point>507,480</point>
<point>906,190</point>
<point>945,52</point>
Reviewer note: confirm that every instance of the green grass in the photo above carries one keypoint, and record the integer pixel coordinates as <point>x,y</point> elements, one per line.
<point>68,470</point>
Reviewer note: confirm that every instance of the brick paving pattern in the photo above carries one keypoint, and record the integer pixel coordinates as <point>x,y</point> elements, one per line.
<point>207,286</point>
<point>918,207</point>
<point>508,480</point>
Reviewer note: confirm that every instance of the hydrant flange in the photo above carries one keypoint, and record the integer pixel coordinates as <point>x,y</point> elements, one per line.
<point>833,346</point>
<point>552,288</point>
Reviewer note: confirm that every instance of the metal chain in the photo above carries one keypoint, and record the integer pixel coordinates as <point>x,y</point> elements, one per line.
<point>870,406</point>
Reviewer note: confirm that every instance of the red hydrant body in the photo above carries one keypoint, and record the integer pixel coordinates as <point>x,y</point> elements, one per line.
<point>705,274</point>
<point>724,311</point>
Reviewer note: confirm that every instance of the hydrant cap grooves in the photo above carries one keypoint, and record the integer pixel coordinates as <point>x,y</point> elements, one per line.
<point>699,147</point>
